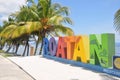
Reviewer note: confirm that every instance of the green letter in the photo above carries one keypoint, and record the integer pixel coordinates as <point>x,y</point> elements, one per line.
<point>102,48</point>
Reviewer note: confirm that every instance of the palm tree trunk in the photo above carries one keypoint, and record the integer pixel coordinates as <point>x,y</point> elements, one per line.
<point>36,47</point>
<point>43,36</point>
<point>27,49</point>
<point>1,47</point>
<point>41,47</point>
<point>17,46</point>
<point>8,48</point>
<point>37,42</point>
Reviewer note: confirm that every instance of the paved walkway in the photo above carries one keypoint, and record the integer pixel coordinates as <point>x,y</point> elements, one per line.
<point>45,69</point>
<point>10,71</point>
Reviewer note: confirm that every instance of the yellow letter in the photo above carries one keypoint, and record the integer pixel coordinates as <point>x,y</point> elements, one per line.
<point>81,50</point>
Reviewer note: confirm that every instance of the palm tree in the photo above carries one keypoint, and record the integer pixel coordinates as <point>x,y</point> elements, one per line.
<point>14,35</point>
<point>23,33</point>
<point>5,35</point>
<point>51,18</point>
<point>117,21</point>
<point>26,15</point>
<point>7,28</point>
<point>1,40</point>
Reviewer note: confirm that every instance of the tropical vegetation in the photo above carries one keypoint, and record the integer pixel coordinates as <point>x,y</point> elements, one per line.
<point>117,21</point>
<point>40,20</point>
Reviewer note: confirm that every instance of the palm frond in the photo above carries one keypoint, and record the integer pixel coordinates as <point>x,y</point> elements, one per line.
<point>8,31</point>
<point>45,4</point>
<point>59,10</point>
<point>64,30</point>
<point>117,21</point>
<point>58,20</point>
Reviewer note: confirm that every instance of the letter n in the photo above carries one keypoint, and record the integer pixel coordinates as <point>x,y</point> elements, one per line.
<point>102,48</point>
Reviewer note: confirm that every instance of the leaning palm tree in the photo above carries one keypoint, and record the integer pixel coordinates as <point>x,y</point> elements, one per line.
<point>5,35</point>
<point>1,39</point>
<point>23,33</point>
<point>15,34</point>
<point>51,17</point>
<point>117,21</point>
<point>27,15</point>
<point>8,27</point>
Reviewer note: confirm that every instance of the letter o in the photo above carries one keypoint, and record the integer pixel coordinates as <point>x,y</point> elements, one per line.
<point>52,46</point>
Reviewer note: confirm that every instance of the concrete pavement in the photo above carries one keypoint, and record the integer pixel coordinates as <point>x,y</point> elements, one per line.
<point>46,69</point>
<point>10,71</point>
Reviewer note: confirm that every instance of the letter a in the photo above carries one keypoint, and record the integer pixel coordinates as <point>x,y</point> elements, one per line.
<point>61,50</point>
<point>81,51</point>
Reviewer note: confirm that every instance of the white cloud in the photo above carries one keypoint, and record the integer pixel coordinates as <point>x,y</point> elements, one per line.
<point>9,6</point>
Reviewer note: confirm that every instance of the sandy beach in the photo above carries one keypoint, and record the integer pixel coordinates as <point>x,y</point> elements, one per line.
<point>44,69</point>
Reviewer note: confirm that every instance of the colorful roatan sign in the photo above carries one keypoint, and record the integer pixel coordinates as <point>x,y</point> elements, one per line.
<point>92,49</point>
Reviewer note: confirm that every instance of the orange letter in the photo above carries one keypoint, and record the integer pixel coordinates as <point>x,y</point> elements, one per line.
<point>70,46</point>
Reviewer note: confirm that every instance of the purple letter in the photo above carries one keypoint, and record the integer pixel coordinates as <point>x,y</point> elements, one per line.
<point>52,46</point>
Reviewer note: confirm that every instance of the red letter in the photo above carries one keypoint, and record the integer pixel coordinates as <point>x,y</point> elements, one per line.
<point>61,50</point>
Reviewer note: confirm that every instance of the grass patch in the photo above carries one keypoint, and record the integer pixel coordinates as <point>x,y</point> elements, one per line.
<point>6,54</point>
<point>1,51</point>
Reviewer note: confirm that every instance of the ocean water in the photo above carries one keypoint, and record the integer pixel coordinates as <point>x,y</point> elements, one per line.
<point>117,49</point>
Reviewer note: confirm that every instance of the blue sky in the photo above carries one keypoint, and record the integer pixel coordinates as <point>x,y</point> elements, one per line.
<point>92,16</point>
<point>89,16</point>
